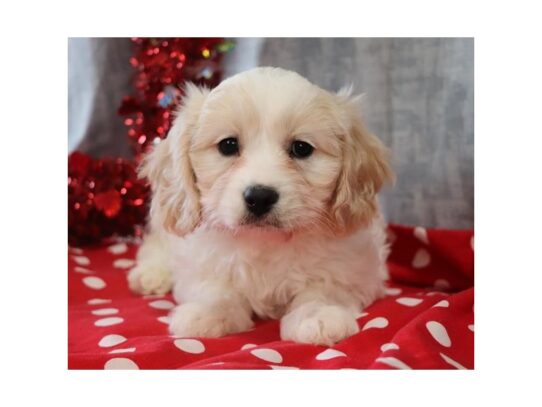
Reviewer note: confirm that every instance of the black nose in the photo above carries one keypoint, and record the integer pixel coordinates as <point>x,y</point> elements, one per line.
<point>259,199</point>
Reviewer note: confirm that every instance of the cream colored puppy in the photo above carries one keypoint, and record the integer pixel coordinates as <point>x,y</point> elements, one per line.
<point>264,201</point>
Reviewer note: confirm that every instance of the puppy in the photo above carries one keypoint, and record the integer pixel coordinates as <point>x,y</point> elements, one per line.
<point>265,202</point>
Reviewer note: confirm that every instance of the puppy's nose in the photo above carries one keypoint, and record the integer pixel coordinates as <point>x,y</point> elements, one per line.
<point>259,199</point>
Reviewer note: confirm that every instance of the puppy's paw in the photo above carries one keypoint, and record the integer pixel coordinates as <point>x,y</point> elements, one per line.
<point>146,280</point>
<point>194,319</point>
<point>322,325</point>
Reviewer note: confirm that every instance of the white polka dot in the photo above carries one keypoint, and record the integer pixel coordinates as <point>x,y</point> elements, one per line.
<point>123,263</point>
<point>393,362</point>
<point>105,311</point>
<point>442,284</point>
<point>330,354</point>
<point>190,345</point>
<point>120,364</point>
<point>118,248</point>
<point>471,327</point>
<point>379,322</point>
<point>408,301</point>
<point>111,340</point>
<point>393,291</point>
<point>96,301</point>
<point>109,321</point>
<point>421,234</point>
<point>161,304</point>
<point>361,315</point>
<point>389,346</point>
<point>81,260</point>
<point>439,333</point>
<point>275,367</point>
<point>76,250</point>
<point>82,270</point>
<point>269,355</point>
<point>96,283</point>
<point>248,346</point>
<point>452,362</point>
<point>123,350</point>
<point>164,319</point>
<point>443,304</point>
<point>422,258</point>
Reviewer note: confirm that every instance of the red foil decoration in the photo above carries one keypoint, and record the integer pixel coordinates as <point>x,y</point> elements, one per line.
<point>105,197</point>
<point>162,67</point>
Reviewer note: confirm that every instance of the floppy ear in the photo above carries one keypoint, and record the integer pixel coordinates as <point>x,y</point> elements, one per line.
<point>365,169</point>
<point>175,202</point>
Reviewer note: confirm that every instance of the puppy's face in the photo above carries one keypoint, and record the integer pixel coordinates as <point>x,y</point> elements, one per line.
<point>266,153</point>
<point>266,150</point>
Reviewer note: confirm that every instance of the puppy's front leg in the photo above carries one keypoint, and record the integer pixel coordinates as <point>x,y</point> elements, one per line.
<point>215,313</point>
<point>151,275</point>
<point>313,318</point>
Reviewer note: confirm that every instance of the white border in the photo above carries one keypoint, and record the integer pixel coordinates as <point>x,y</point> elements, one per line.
<point>33,300</point>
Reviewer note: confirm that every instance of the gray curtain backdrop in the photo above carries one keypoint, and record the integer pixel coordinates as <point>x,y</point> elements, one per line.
<point>419,99</point>
<point>99,76</point>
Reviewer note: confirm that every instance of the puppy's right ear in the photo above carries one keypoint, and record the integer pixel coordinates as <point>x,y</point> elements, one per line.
<point>175,202</point>
<point>365,169</point>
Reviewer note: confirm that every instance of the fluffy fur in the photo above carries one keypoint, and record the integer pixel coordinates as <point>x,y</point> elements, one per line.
<point>315,261</point>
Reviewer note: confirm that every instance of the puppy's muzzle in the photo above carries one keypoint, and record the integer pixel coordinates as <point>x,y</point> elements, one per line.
<point>260,199</point>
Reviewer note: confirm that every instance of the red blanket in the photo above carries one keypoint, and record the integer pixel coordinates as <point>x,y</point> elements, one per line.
<point>425,322</point>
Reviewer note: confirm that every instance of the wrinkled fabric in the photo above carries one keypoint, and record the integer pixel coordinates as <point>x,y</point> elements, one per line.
<point>426,321</point>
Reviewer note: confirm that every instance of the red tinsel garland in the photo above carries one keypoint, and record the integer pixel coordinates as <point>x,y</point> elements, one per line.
<point>105,197</point>
<point>162,66</point>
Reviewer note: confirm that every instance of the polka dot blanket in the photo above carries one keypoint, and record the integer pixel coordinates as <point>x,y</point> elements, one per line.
<point>425,322</point>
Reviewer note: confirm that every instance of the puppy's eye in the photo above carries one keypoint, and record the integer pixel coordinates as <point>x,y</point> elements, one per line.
<point>228,146</point>
<point>301,149</point>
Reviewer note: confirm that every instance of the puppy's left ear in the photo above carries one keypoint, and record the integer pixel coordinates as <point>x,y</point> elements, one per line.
<point>366,168</point>
<point>175,202</point>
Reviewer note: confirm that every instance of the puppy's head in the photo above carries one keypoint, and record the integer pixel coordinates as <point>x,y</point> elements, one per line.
<point>266,150</point>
